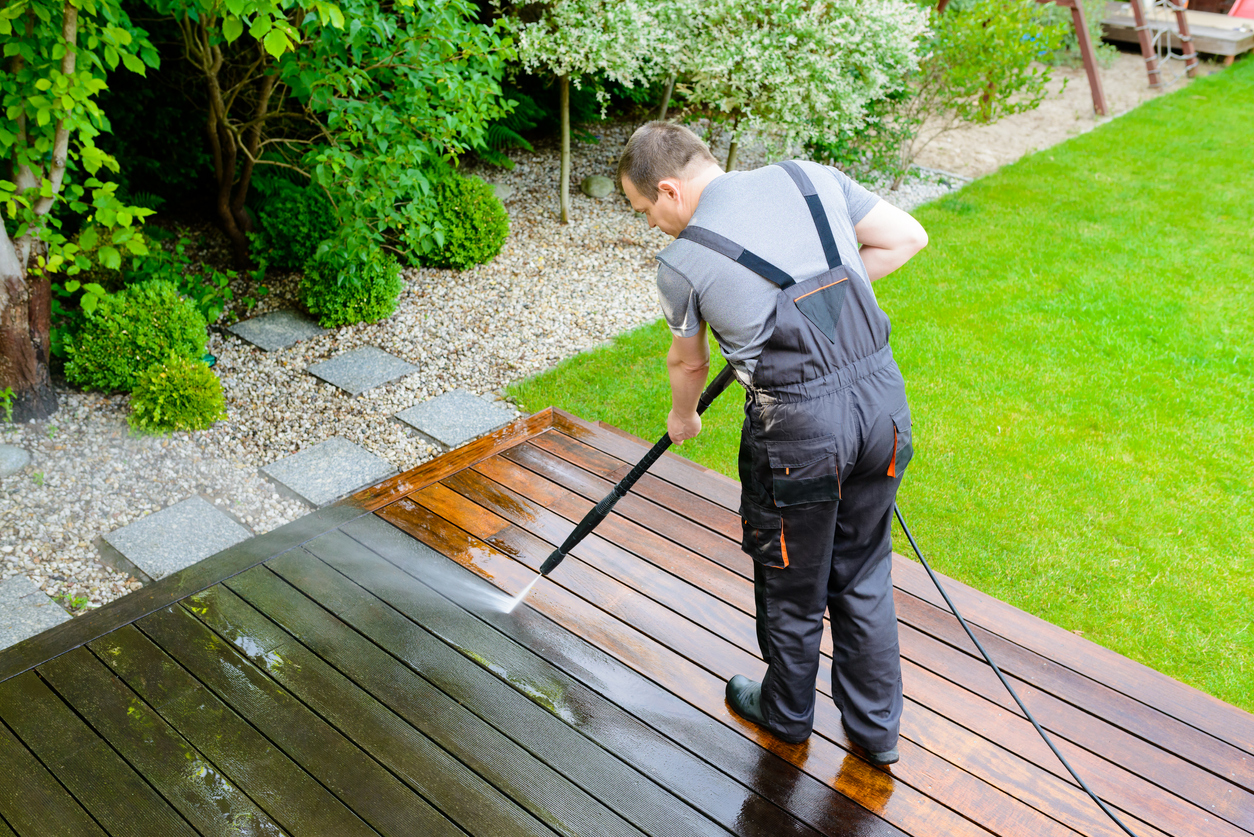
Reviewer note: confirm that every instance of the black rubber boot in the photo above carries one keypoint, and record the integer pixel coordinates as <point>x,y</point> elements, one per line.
<point>745,698</point>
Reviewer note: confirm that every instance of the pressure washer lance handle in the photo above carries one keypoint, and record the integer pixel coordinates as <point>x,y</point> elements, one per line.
<point>602,509</point>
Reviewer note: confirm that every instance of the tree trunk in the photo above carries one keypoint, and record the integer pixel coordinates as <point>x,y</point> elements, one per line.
<point>666,98</point>
<point>731,146</point>
<point>25,317</point>
<point>564,184</point>
<point>26,303</point>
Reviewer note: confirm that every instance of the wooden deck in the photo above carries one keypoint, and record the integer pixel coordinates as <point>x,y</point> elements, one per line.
<point>1212,33</point>
<point>353,673</point>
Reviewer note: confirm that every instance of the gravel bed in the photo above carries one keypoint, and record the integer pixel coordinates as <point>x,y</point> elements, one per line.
<point>553,292</point>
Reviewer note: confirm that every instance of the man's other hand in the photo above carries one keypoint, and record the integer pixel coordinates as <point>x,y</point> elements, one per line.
<point>682,427</point>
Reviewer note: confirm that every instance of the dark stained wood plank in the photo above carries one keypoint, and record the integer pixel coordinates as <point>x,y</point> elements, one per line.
<point>555,497</point>
<point>124,805</point>
<point>919,769</point>
<point>359,781</point>
<point>761,775</point>
<point>1140,682</point>
<point>1070,723</point>
<point>1115,783</point>
<point>1137,718</point>
<point>456,790</point>
<point>186,780</point>
<point>32,800</point>
<point>670,467</point>
<point>538,715</point>
<point>377,496</point>
<point>277,784</point>
<point>94,624</point>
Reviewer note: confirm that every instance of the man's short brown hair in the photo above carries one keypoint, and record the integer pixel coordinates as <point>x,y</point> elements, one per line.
<point>658,150</point>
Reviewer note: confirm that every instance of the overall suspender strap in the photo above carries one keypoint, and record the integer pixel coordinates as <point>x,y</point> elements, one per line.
<point>821,223</point>
<point>732,250</point>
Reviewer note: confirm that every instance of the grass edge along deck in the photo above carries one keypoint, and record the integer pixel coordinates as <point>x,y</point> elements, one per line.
<point>639,630</point>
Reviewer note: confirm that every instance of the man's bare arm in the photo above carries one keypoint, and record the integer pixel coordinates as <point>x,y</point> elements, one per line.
<point>889,237</point>
<point>688,365</point>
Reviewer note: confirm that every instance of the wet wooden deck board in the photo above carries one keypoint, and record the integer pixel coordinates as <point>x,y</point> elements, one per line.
<point>354,673</point>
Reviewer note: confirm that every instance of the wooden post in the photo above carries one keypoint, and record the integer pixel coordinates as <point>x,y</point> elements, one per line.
<point>1147,48</point>
<point>1090,57</point>
<point>1186,39</point>
<point>564,184</point>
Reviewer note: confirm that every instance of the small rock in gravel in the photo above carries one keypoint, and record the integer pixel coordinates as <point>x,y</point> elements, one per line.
<point>596,186</point>
<point>12,459</point>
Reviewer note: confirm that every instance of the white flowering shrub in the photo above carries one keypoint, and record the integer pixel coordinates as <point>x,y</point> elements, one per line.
<point>626,41</point>
<point>796,70</point>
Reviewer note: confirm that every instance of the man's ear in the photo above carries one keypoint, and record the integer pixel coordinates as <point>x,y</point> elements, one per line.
<point>669,187</point>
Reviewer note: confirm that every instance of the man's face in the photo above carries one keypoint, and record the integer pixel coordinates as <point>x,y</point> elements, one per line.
<point>667,213</point>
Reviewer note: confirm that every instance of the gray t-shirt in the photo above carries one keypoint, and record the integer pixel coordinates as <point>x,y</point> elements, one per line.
<point>764,212</point>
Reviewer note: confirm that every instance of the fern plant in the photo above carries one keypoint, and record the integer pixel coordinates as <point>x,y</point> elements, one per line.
<point>507,133</point>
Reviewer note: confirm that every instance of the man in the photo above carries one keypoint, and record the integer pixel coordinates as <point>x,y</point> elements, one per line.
<point>770,260</point>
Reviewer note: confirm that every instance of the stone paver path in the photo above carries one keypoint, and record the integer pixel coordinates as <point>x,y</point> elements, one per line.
<point>25,610</point>
<point>328,471</point>
<point>277,330</point>
<point>176,537</point>
<point>456,417</point>
<point>361,369</point>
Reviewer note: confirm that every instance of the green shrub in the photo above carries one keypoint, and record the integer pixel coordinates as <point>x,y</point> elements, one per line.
<point>131,330</point>
<point>342,291</point>
<point>292,223</point>
<point>473,222</point>
<point>179,394</point>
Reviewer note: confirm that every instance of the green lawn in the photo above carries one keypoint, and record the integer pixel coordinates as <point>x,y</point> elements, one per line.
<point>1076,342</point>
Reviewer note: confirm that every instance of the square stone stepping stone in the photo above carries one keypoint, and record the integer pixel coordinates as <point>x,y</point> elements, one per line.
<point>277,330</point>
<point>25,610</point>
<point>177,536</point>
<point>456,417</point>
<point>328,471</point>
<point>361,369</point>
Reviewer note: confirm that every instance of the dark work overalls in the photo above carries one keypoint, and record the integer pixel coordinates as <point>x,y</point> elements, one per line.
<point>825,440</point>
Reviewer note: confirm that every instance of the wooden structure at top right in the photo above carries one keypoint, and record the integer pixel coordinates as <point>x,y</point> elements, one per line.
<point>1086,49</point>
<point>1168,24</point>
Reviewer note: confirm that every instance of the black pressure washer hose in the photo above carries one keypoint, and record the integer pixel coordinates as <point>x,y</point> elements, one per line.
<point>602,509</point>
<point>1002,677</point>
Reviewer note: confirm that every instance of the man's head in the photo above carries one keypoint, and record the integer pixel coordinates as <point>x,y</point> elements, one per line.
<point>663,170</point>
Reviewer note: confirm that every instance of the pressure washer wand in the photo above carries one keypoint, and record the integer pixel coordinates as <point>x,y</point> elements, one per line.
<point>602,509</point>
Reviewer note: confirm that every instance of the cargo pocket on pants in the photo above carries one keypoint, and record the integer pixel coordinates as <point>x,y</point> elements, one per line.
<point>804,471</point>
<point>762,538</point>
<point>902,447</point>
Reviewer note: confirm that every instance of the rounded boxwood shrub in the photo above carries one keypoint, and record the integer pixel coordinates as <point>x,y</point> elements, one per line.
<point>341,291</point>
<point>292,223</point>
<point>179,394</point>
<point>131,330</point>
<point>474,222</point>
